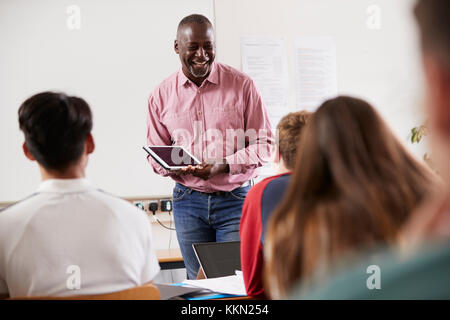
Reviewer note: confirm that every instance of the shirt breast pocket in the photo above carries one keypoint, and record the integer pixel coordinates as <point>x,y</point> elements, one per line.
<point>180,127</point>
<point>224,118</point>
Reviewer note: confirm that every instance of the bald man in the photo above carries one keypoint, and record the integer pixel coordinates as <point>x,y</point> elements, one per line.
<point>216,113</point>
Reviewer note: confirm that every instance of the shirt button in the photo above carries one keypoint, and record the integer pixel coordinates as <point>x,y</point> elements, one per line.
<point>200,113</point>
<point>198,91</point>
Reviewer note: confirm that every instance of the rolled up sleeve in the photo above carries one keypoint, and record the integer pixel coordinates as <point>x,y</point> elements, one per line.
<point>157,133</point>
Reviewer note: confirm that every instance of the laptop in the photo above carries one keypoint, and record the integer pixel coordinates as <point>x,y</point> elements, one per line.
<point>218,259</point>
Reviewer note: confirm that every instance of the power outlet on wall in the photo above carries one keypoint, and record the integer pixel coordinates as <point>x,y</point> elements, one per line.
<point>166,205</point>
<point>160,207</point>
<point>153,207</point>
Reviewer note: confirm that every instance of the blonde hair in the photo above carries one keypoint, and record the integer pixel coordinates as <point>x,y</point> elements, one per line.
<point>289,129</point>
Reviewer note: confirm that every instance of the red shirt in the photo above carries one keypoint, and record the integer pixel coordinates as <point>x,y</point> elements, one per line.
<point>259,204</point>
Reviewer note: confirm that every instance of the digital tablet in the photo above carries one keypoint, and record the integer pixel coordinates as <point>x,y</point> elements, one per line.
<point>171,157</point>
<point>218,259</point>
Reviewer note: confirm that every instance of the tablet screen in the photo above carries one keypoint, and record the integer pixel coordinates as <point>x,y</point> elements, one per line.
<point>174,156</point>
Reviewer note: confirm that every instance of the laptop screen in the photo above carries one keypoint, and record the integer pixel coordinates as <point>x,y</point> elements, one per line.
<point>219,259</point>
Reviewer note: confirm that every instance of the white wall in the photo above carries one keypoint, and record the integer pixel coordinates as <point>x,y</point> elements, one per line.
<point>381,66</point>
<point>121,52</point>
<point>124,49</point>
<point>167,239</point>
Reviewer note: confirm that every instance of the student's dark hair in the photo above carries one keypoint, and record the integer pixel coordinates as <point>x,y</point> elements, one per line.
<point>433,19</point>
<point>353,187</point>
<point>55,127</point>
<point>193,18</point>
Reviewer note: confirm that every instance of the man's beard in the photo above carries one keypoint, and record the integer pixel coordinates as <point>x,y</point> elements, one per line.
<point>198,74</point>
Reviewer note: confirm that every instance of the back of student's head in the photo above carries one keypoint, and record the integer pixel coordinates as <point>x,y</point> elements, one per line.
<point>289,129</point>
<point>55,127</point>
<point>433,19</point>
<point>353,186</point>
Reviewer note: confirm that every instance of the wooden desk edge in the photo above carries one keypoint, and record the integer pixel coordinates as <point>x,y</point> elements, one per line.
<point>169,255</point>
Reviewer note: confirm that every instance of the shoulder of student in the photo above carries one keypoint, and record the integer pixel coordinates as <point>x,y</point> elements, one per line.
<point>261,186</point>
<point>120,203</point>
<point>17,206</point>
<point>109,200</point>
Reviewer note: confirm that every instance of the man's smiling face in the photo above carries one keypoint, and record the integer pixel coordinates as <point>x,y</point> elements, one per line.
<point>196,48</point>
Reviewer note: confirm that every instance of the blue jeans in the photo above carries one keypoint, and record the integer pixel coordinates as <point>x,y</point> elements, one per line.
<point>205,218</point>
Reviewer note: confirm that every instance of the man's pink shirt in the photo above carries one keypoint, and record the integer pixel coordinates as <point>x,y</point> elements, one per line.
<point>200,118</point>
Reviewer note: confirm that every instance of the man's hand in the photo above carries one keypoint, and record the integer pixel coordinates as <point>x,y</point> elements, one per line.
<point>205,170</point>
<point>183,171</point>
<point>177,172</point>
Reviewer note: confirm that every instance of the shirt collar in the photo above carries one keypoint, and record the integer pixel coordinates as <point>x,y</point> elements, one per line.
<point>64,185</point>
<point>182,79</point>
<point>213,76</point>
<point>283,174</point>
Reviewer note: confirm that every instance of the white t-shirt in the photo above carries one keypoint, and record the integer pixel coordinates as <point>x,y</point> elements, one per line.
<point>69,235</point>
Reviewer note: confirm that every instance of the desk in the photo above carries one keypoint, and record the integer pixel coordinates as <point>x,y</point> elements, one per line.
<point>170,259</point>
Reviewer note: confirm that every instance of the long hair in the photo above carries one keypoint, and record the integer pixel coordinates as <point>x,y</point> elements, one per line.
<point>354,185</point>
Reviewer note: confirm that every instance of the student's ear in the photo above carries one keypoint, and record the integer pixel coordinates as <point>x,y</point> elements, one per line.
<point>175,46</point>
<point>90,144</point>
<point>27,152</point>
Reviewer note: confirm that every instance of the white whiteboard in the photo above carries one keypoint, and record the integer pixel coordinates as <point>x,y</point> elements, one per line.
<point>122,50</point>
<point>125,48</point>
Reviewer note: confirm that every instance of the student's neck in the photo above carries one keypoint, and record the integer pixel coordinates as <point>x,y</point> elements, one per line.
<point>70,173</point>
<point>283,170</point>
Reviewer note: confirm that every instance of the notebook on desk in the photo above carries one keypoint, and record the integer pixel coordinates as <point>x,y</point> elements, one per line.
<point>175,291</point>
<point>218,259</point>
